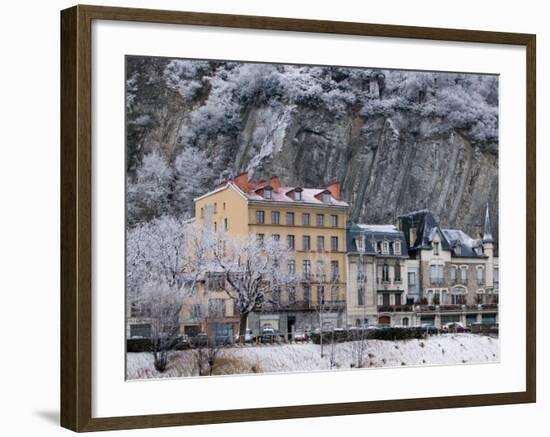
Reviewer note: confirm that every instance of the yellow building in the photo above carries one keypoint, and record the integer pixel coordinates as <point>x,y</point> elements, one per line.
<point>313,223</point>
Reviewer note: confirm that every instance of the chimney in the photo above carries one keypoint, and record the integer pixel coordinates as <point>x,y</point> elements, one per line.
<point>241,181</point>
<point>334,188</point>
<point>275,183</point>
<point>479,231</point>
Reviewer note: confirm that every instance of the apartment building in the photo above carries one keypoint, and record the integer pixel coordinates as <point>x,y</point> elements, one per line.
<point>312,221</point>
<point>452,276</point>
<point>377,276</point>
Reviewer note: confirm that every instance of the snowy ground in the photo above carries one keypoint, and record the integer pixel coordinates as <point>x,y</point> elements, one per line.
<point>445,349</point>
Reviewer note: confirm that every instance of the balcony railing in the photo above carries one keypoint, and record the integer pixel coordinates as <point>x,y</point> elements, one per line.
<point>437,281</point>
<point>395,308</point>
<point>302,305</point>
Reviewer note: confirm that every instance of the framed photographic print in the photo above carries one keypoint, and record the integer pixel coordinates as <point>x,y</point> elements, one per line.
<point>256,207</point>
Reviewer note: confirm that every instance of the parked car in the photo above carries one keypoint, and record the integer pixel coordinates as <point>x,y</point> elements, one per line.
<point>453,327</point>
<point>248,336</point>
<point>299,336</point>
<point>201,339</point>
<point>182,342</point>
<point>430,329</point>
<point>269,335</point>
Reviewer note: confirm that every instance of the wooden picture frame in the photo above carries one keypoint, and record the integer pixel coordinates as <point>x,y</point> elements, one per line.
<point>76,217</point>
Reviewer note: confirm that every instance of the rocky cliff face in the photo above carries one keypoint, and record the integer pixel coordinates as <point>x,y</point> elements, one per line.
<point>405,148</point>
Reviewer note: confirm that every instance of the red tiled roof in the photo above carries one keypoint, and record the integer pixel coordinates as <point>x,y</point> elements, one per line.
<point>283,194</point>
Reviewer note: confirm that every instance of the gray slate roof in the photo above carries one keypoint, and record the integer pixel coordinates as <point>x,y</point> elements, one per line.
<point>451,239</point>
<point>372,234</point>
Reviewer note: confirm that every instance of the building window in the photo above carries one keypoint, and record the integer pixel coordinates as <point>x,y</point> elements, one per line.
<point>305,219</point>
<point>215,226</point>
<point>260,238</point>
<point>412,278</point>
<point>297,195</point>
<point>458,248</point>
<point>361,296</point>
<point>334,293</point>
<point>320,220</point>
<point>215,207</point>
<point>289,218</point>
<point>458,296</point>
<point>202,212</point>
<point>334,221</point>
<point>436,247</point>
<point>226,223</point>
<point>276,237</point>
<point>495,276</point>
<point>306,268</point>
<point>397,272</point>
<point>361,272</point>
<point>267,193</point>
<point>385,273</point>
<point>397,299</point>
<point>464,275</point>
<point>307,294</point>
<point>334,271</point>
<point>360,244</point>
<point>276,295</point>
<point>260,217</point>
<point>275,217</point>
<point>292,295</point>
<point>290,241</point>
<point>320,270</point>
<point>334,244</point>
<point>321,294</point>
<point>306,242</point>
<point>292,267</point>
<point>453,275</point>
<point>385,247</point>
<point>320,243</point>
<point>480,275</point>
<point>140,330</point>
<point>215,282</point>
<point>405,321</point>
<point>326,198</point>
<point>397,247</point>
<point>196,311</point>
<point>224,206</point>
<point>216,308</point>
<point>436,274</point>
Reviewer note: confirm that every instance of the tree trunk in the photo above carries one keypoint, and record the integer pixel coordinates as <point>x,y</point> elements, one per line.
<point>242,327</point>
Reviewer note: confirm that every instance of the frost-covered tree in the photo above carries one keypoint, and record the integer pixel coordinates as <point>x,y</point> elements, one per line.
<point>193,176</point>
<point>164,264</point>
<point>148,194</point>
<point>253,268</point>
<point>160,304</point>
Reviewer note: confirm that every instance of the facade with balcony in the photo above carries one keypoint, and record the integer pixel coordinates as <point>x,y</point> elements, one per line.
<point>456,275</point>
<point>313,223</point>
<point>377,276</point>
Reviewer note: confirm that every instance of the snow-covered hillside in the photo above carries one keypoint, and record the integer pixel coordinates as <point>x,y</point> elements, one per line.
<point>447,349</point>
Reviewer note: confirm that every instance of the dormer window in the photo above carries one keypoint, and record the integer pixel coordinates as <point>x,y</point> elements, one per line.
<point>397,247</point>
<point>385,247</point>
<point>326,198</point>
<point>458,248</point>
<point>297,196</point>
<point>360,244</point>
<point>268,194</point>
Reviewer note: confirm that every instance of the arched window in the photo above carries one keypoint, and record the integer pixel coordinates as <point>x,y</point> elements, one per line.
<point>458,296</point>
<point>405,321</point>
